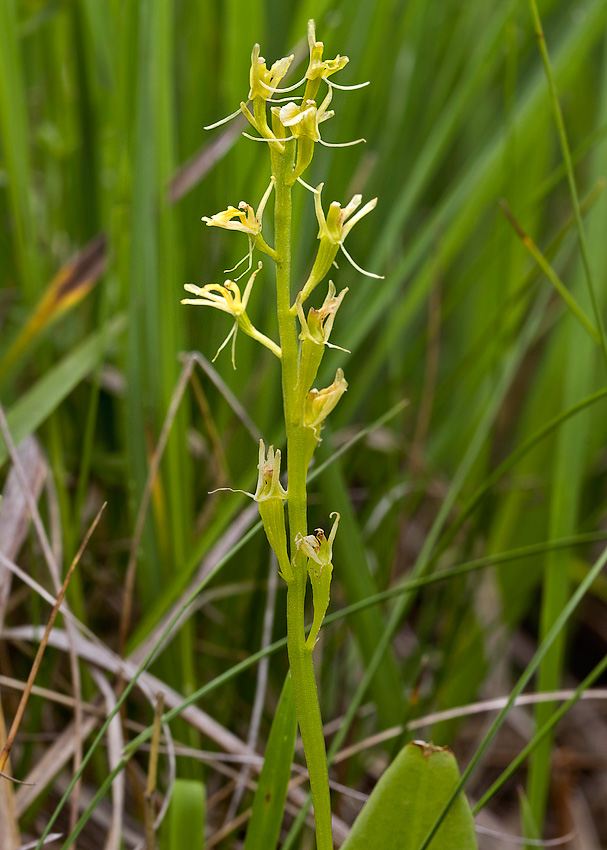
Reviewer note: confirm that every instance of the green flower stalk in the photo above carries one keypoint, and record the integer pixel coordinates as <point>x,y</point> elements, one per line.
<point>291,136</point>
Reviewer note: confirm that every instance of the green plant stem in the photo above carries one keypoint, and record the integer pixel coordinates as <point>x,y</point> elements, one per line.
<point>300,656</point>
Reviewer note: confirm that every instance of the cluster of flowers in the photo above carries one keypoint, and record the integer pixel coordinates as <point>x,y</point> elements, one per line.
<point>300,123</point>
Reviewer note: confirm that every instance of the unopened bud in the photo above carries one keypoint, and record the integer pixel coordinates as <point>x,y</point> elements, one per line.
<point>319,403</point>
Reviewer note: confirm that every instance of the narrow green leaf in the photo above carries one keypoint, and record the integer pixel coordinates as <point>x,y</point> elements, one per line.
<point>528,823</point>
<point>186,816</point>
<point>15,150</point>
<point>271,794</point>
<point>407,800</point>
<point>48,393</point>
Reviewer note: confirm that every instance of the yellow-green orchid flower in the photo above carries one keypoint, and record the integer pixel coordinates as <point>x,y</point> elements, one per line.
<point>319,552</point>
<point>270,495</point>
<point>264,82</point>
<point>332,232</point>
<point>227,298</point>
<point>245,220</point>
<point>319,68</point>
<point>319,403</point>
<point>315,332</point>
<point>303,119</point>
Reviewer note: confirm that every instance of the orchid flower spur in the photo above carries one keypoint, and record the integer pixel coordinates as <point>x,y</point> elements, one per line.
<point>332,232</point>
<point>245,220</point>
<point>227,298</point>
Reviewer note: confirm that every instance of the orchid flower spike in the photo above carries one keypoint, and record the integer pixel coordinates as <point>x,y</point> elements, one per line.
<point>332,232</point>
<point>227,298</point>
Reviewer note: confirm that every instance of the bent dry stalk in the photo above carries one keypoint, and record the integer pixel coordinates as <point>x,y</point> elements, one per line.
<point>292,132</point>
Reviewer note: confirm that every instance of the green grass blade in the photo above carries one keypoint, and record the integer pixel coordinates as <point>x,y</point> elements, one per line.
<point>553,635</point>
<point>558,117</point>
<point>15,143</point>
<point>46,395</point>
<point>357,583</point>
<point>541,734</point>
<point>571,453</point>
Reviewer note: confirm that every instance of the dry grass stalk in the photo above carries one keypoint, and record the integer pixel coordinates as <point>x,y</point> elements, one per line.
<point>43,643</point>
<point>150,830</point>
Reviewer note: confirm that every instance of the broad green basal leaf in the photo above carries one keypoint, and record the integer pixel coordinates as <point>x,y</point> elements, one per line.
<point>184,828</point>
<point>407,801</point>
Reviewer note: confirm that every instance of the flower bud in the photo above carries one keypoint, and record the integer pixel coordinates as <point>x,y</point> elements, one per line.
<point>315,333</point>
<point>319,403</point>
<point>317,406</point>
